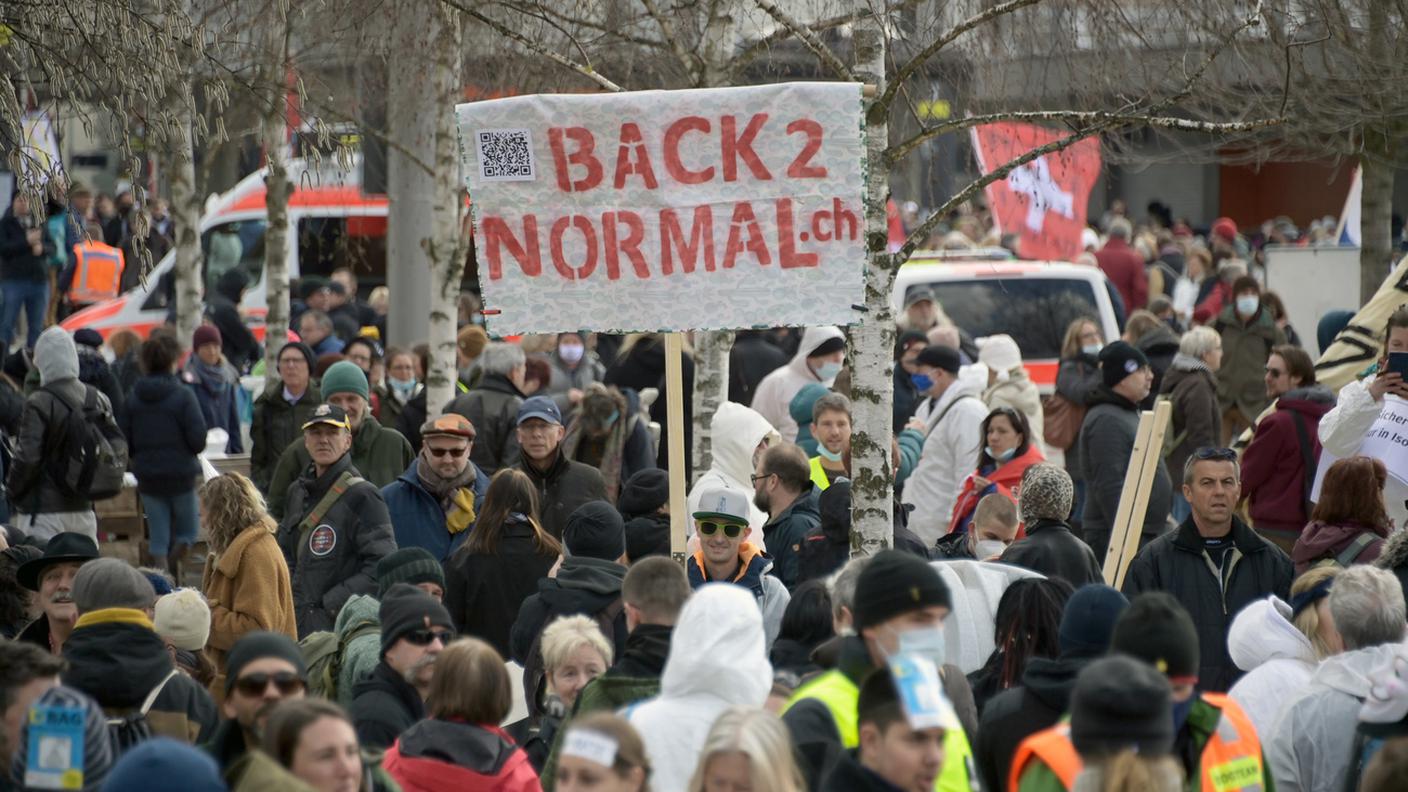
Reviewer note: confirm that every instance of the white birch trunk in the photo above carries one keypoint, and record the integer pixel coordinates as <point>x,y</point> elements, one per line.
<point>273,132</point>
<point>185,214</point>
<point>444,248</point>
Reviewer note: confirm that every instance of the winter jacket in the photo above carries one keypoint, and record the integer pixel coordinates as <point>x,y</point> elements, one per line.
<point>484,592</point>
<point>774,394</point>
<point>165,432</point>
<point>1021,394</point>
<point>906,397</point>
<point>276,425</point>
<point>1076,378</point>
<point>1021,711</point>
<point>18,262</point>
<point>1051,549</point>
<point>1273,467</point>
<point>586,586</point>
<point>115,656</point>
<point>752,358</point>
<point>338,557</point>
<point>785,533</point>
<point>1325,542</point>
<point>588,370</point>
<point>1191,389</point>
<point>1160,346</point>
<point>1278,660</point>
<point>358,631</point>
<point>630,436</point>
<point>1246,346</point>
<point>30,479</point>
<point>237,344</point>
<point>248,589</point>
<point>380,455</point>
<point>216,389</point>
<point>492,406</point>
<point>849,775</point>
<point>1107,439</point>
<point>1311,746</point>
<point>737,431</point>
<point>1342,432</point>
<point>452,756</point>
<point>1178,563</point>
<point>697,687</point>
<point>383,706</point>
<point>644,656</point>
<point>769,593</point>
<point>94,370</point>
<point>953,425</point>
<point>1004,479</point>
<point>418,517</point>
<point>1124,267</point>
<point>562,487</point>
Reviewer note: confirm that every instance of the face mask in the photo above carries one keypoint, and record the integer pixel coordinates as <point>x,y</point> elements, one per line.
<point>1092,349</point>
<point>828,371</point>
<point>1248,304</point>
<point>988,548</point>
<point>1181,710</point>
<point>822,451</point>
<point>571,353</point>
<point>926,642</point>
<point>923,382</point>
<point>402,386</point>
<point>1003,457</point>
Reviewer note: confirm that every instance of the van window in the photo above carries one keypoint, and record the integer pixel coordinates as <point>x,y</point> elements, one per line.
<point>358,243</point>
<point>236,245</point>
<point>1034,311</point>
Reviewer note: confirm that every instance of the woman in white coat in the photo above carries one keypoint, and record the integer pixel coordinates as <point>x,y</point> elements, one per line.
<point>818,359</point>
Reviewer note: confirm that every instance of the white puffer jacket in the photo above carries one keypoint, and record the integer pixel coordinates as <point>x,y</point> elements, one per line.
<point>1278,658</point>
<point>950,454</point>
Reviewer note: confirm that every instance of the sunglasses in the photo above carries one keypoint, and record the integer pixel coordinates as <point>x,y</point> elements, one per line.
<point>1224,454</point>
<point>425,637</point>
<point>731,530</point>
<point>453,452</point>
<point>1273,372</point>
<point>255,684</point>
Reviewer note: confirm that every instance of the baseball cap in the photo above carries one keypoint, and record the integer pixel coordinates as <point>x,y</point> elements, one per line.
<point>540,407</point>
<point>723,502</point>
<point>329,414</point>
<point>919,295</point>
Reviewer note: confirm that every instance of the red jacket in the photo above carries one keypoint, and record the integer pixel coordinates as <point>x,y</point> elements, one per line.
<point>1007,479</point>
<point>1124,267</point>
<point>450,756</point>
<point>1272,468</point>
<point>1212,305</point>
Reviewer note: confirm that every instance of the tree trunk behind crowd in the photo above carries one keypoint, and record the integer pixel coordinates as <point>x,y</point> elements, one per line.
<point>1376,219</point>
<point>444,248</point>
<point>273,131</point>
<point>185,215</point>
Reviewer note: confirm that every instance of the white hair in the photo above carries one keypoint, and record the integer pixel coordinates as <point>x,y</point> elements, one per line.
<point>502,358</point>
<point>1367,605</point>
<point>1199,341</point>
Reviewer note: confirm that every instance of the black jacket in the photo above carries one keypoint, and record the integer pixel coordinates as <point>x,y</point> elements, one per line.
<point>338,557</point>
<point>644,656</point>
<point>1106,440</point>
<point>119,661</point>
<point>794,657</point>
<point>1051,549</point>
<point>483,591</point>
<point>785,533</point>
<point>17,260</point>
<point>492,407</point>
<point>165,432</point>
<point>753,357</point>
<point>94,370</point>
<point>33,488</point>
<point>1177,563</point>
<point>384,705</point>
<point>276,424</point>
<point>1075,380</point>
<point>563,487</point>
<point>1017,713</point>
<point>587,586</point>
<point>850,776</point>
<point>236,342</point>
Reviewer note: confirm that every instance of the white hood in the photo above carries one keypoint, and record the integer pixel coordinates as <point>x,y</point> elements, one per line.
<point>773,398</point>
<point>812,337</point>
<point>718,649</point>
<point>1349,672</point>
<point>1263,632</point>
<point>736,433</point>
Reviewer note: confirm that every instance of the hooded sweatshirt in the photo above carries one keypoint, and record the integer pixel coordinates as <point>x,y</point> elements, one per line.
<point>773,399</point>
<point>1321,541</point>
<point>737,432</point>
<point>717,660</point>
<point>1277,657</point>
<point>952,427</point>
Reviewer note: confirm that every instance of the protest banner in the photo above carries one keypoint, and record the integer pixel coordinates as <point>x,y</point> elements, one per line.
<point>1043,202</point>
<point>1386,441</point>
<point>719,208</point>
<point>1360,343</point>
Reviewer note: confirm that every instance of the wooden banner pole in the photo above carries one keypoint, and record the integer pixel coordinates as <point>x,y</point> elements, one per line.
<point>674,407</point>
<point>1149,468</point>
<point>1132,476</point>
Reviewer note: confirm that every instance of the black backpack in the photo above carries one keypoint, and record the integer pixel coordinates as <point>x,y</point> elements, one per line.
<point>90,453</point>
<point>130,729</point>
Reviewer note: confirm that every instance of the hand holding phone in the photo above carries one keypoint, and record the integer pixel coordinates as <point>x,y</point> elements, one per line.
<point>1398,362</point>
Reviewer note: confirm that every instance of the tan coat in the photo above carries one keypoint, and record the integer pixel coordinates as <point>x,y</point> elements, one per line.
<point>248,589</point>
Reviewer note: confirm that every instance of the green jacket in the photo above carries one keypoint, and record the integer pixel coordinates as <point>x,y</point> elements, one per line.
<point>379,455</point>
<point>603,694</point>
<point>276,424</point>
<point>1241,380</point>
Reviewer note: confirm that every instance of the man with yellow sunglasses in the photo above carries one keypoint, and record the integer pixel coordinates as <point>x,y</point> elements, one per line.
<point>726,556</point>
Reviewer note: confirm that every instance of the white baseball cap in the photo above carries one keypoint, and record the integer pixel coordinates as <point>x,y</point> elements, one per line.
<point>723,502</point>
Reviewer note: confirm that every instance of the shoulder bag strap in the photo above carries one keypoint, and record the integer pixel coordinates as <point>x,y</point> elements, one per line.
<point>934,425</point>
<point>156,691</point>
<point>331,497</point>
<point>1307,456</point>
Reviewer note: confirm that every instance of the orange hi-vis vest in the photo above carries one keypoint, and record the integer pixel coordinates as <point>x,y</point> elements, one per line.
<point>1230,760</point>
<point>97,273</point>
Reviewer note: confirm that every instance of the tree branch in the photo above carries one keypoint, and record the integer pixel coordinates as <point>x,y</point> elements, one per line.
<point>535,47</point>
<point>810,39</point>
<point>690,63</point>
<point>760,46</point>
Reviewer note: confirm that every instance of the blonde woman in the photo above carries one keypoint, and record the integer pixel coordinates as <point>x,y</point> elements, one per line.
<point>574,652</point>
<point>246,578</point>
<point>601,752</point>
<point>747,749</point>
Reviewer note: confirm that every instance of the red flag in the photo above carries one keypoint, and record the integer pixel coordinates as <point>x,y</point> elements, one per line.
<point>1043,201</point>
<point>894,226</point>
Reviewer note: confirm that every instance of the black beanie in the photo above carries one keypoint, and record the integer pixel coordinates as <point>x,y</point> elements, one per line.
<point>406,609</point>
<point>1121,703</point>
<point>307,353</point>
<point>595,530</point>
<point>643,493</point>
<point>1118,360</point>
<point>408,565</point>
<point>647,535</point>
<point>1155,628</point>
<point>257,646</point>
<point>1089,619</point>
<point>894,583</point>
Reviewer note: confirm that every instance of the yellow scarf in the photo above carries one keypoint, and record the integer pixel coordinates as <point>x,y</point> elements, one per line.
<point>461,513</point>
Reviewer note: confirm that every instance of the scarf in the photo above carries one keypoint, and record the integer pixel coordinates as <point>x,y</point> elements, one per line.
<point>456,495</point>
<point>612,454</point>
<point>213,378</point>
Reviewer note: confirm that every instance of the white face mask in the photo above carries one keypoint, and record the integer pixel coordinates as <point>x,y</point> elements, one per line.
<point>1247,304</point>
<point>988,548</point>
<point>1092,349</point>
<point>571,353</point>
<point>926,642</point>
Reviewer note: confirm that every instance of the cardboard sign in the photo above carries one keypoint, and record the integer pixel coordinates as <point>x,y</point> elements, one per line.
<point>1043,201</point>
<point>1386,441</point>
<point>54,758</point>
<point>668,210</point>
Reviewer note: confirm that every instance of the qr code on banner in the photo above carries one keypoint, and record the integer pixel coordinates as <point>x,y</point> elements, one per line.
<point>506,155</point>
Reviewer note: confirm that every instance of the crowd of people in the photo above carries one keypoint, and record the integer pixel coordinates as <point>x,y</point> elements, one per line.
<point>479,595</point>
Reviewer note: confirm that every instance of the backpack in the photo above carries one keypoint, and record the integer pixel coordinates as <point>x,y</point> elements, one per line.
<point>322,655</point>
<point>90,453</point>
<point>1063,419</point>
<point>131,729</point>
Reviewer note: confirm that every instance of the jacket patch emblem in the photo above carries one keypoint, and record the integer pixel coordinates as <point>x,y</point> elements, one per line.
<point>322,540</point>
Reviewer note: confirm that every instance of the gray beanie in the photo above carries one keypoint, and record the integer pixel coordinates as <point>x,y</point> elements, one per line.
<point>55,356</point>
<point>111,583</point>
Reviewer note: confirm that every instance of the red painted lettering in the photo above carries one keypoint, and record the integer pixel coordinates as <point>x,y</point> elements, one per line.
<point>633,145</point>
<point>630,246</point>
<point>673,166</point>
<point>701,235</point>
<point>735,146</point>
<point>787,255</point>
<point>497,233</point>
<point>583,156</point>
<point>800,169</point>
<point>559,260</point>
<point>745,221</point>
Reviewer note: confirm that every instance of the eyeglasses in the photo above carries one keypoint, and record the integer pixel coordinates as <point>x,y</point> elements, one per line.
<point>424,637</point>
<point>255,684</point>
<point>753,479</point>
<point>1222,454</point>
<point>453,452</point>
<point>709,528</point>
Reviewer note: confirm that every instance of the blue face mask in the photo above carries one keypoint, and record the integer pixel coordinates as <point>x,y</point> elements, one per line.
<point>923,382</point>
<point>1247,304</point>
<point>822,452</point>
<point>402,386</point>
<point>999,458</point>
<point>828,371</point>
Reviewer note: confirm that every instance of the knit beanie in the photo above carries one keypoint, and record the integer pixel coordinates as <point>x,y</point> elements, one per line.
<point>800,408</point>
<point>1118,360</point>
<point>644,492</point>
<point>304,350</point>
<point>406,609</point>
<point>894,583</point>
<point>162,764</point>
<point>1046,494</point>
<point>595,530</point>
<point>1089,620</point>
<point>344,377</point>
<point>647,535</point>
<point>1121,703</point>
<point>97,747</point>
<point>1155,628</point>
<point>471,341</point>
<point>410,565</point>
<point>999,353</point>
<point>111,583</point>
<point>205,334</point>
<point>55,356</point>
<point>258,645</point>
<point>183,618</point>
<point>940,357</point>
